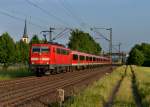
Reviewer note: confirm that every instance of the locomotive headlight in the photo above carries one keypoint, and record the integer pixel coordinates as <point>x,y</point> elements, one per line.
<point>45,59</point>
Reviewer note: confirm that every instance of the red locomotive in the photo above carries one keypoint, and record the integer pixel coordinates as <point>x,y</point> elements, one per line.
<point>54,58</point>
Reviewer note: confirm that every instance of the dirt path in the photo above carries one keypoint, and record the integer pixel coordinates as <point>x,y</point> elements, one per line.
<point>109,103</point>
<point>135,90</point>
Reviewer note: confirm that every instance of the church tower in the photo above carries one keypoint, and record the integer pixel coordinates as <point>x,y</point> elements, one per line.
<point>25,35</point>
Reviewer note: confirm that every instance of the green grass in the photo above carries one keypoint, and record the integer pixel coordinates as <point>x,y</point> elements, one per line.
<point>16,73</point>
<point>97,94</point>
<point>143,80</point>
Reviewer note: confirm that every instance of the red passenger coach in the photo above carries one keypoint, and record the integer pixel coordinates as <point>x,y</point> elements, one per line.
<point>53,57</point>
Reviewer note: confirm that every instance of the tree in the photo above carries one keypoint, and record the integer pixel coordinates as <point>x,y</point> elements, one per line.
<point>34,40</point>
<point>83,42</point>
<point>7,50</point>
<point>136,57</point>
<point>22,52</point>
<point>145,49</point>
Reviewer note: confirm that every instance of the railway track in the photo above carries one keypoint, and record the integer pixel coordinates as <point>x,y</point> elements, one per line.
<point>33,88</point>
<point>7,86</point>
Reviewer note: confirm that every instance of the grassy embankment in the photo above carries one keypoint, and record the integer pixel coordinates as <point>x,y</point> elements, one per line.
<point>14,72</point>
<point>143,81</point>
<point>97,94</point>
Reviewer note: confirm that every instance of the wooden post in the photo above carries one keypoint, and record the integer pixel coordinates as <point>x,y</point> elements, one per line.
<point>61,97</point>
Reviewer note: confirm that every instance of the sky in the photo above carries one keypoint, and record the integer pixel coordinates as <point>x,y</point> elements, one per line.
<point>129,19</point>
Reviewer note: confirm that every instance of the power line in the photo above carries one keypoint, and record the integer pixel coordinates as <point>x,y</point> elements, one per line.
<point>25,15</point>
<point>9,15</point>
<point>61,34</point>
<point>70,13</point>
<point>46,12</point>
<point>100,34</point>
<point>18,18</point>
<point>83,24</point>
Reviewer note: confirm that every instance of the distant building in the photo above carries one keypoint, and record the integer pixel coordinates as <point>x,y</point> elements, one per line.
<point>25,37</point>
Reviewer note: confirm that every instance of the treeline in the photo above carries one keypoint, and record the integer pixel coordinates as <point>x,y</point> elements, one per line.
<point>83,42</point>
<point>140,55</point>
<point>18,52</point>
<point>14,52</point>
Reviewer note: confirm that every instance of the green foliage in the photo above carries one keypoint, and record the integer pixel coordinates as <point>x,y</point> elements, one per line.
<point>145,49</point>
<point>136,57</point>
<point>7,49</point>
<point>82,41</point>
<point>35,40</point>
<point>22,52</point>
<point>16,73</point>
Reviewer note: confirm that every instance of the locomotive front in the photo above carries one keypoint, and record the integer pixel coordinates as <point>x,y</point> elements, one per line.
<point>39,58</point>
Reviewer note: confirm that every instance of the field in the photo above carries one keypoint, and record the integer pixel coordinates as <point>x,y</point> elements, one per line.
<point>14,72</point>
<point>121,88</point>
<point>143,82</point>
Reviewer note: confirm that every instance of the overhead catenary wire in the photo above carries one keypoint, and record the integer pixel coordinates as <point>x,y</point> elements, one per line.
<point>77,16</point>
<point>46,12</point>
<point>73,14</point>
<point>100,34</point>
<point>18,18</point>
<point>31,17</point>
<point>61,34</point>
<point>70,13</point>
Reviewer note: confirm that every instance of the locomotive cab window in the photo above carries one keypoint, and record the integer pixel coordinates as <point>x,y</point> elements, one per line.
<point>35,49</point>
<point>45,49</point>
<point>40,49</point>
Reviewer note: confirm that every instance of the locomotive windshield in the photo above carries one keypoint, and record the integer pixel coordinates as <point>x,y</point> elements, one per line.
<point>40,49</point>
<point>35,49</point>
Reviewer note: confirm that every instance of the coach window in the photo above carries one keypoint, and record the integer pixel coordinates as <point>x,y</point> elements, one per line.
<point>58,51</point>
<point>100,59</point>
<point>75,57</point>
<point>87,58</point>
<point>90,58</point>
<point>67,52</point>
<point>94,58</point>
<point>82,58</point>
<point>63,51</point>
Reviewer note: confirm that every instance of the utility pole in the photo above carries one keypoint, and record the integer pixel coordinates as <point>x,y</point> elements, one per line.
<point>50,31</point>
<point>119,50</point>
<point>110,42</point>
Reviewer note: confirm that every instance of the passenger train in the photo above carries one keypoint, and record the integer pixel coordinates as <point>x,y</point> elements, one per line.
<point>54,58</point>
